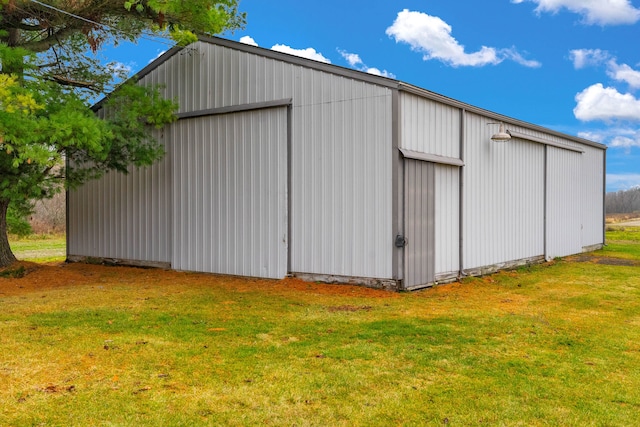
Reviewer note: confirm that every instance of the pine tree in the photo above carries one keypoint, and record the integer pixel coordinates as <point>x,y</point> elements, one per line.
<point>50,74</point>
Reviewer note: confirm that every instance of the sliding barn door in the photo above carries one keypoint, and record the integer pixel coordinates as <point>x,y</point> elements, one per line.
<point>230,193</point>
<point>419,223</point>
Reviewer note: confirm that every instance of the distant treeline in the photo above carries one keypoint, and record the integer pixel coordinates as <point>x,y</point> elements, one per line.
<point>626,201</point>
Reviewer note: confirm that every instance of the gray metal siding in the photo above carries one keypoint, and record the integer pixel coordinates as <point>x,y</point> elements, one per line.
<point>574,204</point>
<point>339,166</point>
<point>341,211</point>
<point>429,126</point>
<point>205,76</point>
<point>419,223</point>
<point>341,187</point>
<point>503,197</point>
<point>591,200</point>
<point>564,222</point>
<point>447,226</point>
<point>230,193</point>
<point>544,136</point>
<point>123,216</point>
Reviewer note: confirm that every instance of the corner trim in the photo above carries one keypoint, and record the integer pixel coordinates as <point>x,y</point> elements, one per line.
<point>289,184</point>
<point>545,203</point>
<point>397,191</point>
<point>461,190</point>
<point>604,198</point>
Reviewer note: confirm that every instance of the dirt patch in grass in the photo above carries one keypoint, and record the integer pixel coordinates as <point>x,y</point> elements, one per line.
<point>604,260</point>
<point>38,277</point>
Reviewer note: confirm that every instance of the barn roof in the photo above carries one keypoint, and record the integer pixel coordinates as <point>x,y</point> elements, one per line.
<point>364,77</point>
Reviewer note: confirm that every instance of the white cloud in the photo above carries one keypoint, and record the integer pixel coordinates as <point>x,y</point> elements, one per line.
<point>598,12</point>
<point>593,57</point>
<point>588,57</point>
<point>309,53</point>
<point>623,73</point>
<point>248,40</point>
<point>625,143</point>
<point>599,103</point>
<point>515,56</point>
<point>623,181</point>
<point>159,54</point>
<point>354,60</point>
<point>616,137</point>
<point>610,134</point>
<point>431,36</point>
<point>377,72</point>
<point>595,136</point>
<point>121,71</point>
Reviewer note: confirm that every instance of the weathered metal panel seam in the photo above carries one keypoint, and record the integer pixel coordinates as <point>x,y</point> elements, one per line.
<point>431,158</point>
<point>546,142</point>
<point>236,108</point>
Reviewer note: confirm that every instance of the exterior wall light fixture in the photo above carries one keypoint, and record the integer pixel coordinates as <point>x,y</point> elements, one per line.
<point>502,135</point>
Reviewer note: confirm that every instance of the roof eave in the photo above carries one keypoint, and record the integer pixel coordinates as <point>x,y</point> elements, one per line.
<point>356,75</point>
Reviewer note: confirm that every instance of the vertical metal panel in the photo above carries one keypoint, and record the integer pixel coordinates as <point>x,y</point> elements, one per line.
<point>123,216</point>
<point>341,182</point>
<point>447,224</point>
<point>591,200</point>
<point>419,223</point>
<point>429,126</point>
<point>564,222</point>
<point>230,187</point>
<point>503,197</point>
<point>341,211</point>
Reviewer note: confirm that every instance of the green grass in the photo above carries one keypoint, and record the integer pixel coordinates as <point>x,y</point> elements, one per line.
<point>553,344</point>
<point>629,234</point>
<point>39,248</point>
<point>623,242</point>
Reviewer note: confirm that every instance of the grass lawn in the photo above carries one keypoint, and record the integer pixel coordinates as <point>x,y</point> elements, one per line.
<point>39,248</point>
<point>552,344</point>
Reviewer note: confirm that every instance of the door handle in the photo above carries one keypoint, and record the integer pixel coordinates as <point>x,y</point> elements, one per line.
<point>401,241</point>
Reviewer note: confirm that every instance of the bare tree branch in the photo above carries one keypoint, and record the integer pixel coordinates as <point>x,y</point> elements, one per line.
<point>66,81</point>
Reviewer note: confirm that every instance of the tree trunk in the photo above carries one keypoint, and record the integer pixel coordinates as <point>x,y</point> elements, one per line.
<point>6,256</point>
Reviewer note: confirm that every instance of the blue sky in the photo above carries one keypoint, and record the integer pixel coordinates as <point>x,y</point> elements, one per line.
<point>570,65</point>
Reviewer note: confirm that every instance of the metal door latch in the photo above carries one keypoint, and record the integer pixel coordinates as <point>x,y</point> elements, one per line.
<point>401,241</point>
